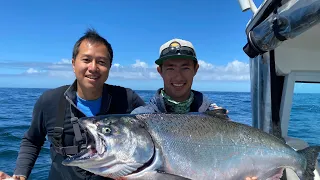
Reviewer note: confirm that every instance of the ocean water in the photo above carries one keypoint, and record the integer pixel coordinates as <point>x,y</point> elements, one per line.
<point>17,105</point>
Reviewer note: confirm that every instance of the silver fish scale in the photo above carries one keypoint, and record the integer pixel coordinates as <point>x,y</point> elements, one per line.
<point>196,149</point>
<point>208,129</point>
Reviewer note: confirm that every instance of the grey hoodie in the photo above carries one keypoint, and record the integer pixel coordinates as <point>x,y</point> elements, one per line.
<point>156,104</point>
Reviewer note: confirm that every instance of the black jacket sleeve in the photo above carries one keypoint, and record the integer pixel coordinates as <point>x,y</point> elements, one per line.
<point>32,141</point>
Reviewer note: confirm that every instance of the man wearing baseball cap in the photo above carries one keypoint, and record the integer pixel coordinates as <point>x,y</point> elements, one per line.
<point>177,65</point>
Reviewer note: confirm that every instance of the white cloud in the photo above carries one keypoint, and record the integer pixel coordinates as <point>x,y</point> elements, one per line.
<point>64,61</point>
<point>154,75</point>
<point>32,71</point>
<point>64,64</point>
<point>117,65</point>
<point>205,65</point>
<point>140,70</point>
<point>60,69</point>
<point>139,64</point>
<point>61,74</point>
<point>233,71</point>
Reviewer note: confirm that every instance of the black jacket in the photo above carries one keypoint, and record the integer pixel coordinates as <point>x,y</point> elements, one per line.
<point>115,100</point>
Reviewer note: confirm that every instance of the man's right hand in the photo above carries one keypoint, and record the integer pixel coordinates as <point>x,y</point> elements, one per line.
<point>4,176</point>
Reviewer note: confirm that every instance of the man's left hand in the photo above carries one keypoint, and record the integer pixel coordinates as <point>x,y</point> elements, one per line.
<point>214,106</point>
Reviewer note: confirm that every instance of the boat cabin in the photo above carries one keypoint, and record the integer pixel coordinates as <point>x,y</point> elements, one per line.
<point>283,44</point>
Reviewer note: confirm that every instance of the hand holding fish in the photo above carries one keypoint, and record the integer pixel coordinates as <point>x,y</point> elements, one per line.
<point>215,106</point>
<point>4,176</point>
<point>251,178</point>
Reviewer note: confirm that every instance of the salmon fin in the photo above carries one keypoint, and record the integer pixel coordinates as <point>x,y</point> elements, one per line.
<point>277,174</point>
<point>273,174</point>
<point>310,153</point>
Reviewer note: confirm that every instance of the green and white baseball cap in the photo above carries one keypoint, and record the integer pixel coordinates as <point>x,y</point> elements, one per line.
<point>176,49</point>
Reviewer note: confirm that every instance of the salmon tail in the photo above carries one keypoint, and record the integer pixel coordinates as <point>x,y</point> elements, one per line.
<point>311,154</point>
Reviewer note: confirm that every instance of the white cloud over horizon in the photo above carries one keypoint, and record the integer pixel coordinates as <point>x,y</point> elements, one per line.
<point>140,70</point>
<point>32,71</point>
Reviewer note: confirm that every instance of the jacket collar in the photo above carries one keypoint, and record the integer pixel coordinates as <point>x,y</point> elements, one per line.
<point>70,94</point>
<point>157,102</point>
<point>199,104</point>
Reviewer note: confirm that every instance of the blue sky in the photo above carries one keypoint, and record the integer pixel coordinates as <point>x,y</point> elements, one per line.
<point>37,40</point>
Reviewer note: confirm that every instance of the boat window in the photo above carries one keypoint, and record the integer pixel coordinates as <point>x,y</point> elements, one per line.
<point>305,113</point>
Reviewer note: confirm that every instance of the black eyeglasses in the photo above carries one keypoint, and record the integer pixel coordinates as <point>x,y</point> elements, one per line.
<point>178,51</point>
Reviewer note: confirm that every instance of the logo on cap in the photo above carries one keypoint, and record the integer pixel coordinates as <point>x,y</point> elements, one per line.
<point>174,45</point>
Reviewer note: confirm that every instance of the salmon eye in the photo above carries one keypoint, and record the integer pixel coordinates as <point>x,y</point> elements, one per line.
<point>106,130</point>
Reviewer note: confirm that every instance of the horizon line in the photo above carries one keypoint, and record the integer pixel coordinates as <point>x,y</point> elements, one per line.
<point>218,91</point>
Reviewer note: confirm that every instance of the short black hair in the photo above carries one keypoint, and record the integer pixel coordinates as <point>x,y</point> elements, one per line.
<point>92,36</point>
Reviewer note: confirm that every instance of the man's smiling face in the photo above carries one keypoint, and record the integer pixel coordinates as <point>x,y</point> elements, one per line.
<point>177,75</point>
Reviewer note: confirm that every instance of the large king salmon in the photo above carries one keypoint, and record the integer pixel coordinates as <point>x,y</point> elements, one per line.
<point>186,146</point>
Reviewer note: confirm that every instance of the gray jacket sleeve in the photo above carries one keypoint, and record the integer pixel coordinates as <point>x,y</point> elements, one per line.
<point>143,109</point>
<point>134,100</point>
